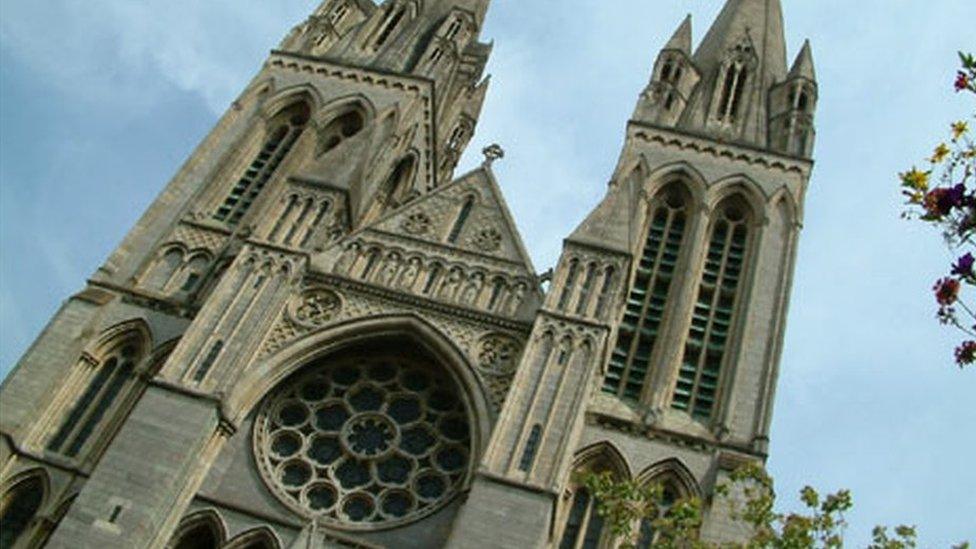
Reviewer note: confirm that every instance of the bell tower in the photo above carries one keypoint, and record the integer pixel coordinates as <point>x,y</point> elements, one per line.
<point>655,354</point>
<point>337,158</point>
<point>319,335</point>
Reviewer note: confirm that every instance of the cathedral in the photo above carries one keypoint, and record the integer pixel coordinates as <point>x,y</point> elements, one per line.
<point>319,335</point>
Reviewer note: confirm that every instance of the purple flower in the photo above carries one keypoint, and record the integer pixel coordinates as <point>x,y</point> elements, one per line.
<point>966,353</point>
<point>964,266</point>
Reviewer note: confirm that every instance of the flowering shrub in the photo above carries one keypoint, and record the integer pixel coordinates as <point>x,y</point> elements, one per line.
<point>944,195</point>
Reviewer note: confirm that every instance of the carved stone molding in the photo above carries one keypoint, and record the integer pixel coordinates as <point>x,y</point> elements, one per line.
<point>315,307</point>
<point>498,354</point>
<point>417,223</point>
<point>495,354</point>
<point>195,238</point>
<point>486,240</point>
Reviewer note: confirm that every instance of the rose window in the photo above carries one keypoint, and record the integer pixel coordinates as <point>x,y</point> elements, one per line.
<point>364,442</point>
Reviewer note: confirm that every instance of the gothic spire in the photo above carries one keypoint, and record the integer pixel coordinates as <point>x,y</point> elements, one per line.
<point>681,40</point>
<point>759,21</point>
<point>803,65</point>
<point>748,34</point>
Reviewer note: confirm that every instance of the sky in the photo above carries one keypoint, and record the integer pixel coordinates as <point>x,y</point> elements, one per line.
<point>102,100</point>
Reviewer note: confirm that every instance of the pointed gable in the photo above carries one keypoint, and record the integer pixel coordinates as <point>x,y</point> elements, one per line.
<point>469,214</point>
<point>610,224</point>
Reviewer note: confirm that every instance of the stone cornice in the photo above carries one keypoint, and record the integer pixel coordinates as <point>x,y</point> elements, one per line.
<point>569,242</point>
<point>449,250</point>
<point>145,299</point>
<point>534,488</point>
<point>421,303</point>
<point>675,138</point>
<point>226,425</point>
<point>424,87</point>
<point>701,444</point>
<point>41,459</point>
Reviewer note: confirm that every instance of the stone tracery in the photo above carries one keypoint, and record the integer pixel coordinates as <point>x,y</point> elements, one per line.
<point>365,440</point>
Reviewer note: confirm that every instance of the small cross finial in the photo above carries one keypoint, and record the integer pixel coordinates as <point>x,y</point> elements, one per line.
<point>492,153</point>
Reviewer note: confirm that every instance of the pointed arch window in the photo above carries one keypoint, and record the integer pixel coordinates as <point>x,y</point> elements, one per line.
<point>584,525</point>
<point>649,295</point>
<point>323,210</point>
<point>342,127</point>
<point>461,219</point>
<point>399,183</point>
<point>338,12</point>
<point>606,292</point>
<point>18,510</point>
<point>454,28</point>
<point>112,373</point>
<point>193,272</point>
<point>284,130</point>
<point>303,214</point>
<point>697,388</point>
<point>733,88</point>
<point>458,135</point>
<point>388,27</point>
<point>569,285</point>
<point>201,532</point>
<point>671,71</point>
<point>163,270</point>
<point>589,279</point>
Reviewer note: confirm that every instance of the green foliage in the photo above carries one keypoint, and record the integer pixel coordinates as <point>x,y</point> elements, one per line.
<point>749,491</point>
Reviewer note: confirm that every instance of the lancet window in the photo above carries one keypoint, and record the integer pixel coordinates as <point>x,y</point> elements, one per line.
<point>389,25</point>
<point>649,294</point>
<point>581,525</point>
<point>569,285</point>
<point>19,508</point>
<point>105,380</point>
<point>461,219</point>
<point>338,12</point>
<point>199,532</point>
<point>733,88</point>
<point>699,375</point>
<point>284,130</point>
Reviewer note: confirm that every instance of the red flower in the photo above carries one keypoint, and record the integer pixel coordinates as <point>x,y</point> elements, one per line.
<point>946,291</point>
<point>939,202</point>
<point>962,81</point>
<point>966,353</point>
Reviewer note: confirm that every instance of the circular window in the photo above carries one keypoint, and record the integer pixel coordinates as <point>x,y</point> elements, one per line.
<point>364,441</point>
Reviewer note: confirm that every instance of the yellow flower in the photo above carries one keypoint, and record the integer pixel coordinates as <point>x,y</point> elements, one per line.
<point>916,179</point>
<point>941,152</point>
<point>959,128</point>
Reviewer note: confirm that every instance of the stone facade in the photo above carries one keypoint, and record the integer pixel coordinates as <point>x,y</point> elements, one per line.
<point>318,336</point>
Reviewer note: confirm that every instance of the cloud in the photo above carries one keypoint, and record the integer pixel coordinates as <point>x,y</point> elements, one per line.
<point>103,50</point>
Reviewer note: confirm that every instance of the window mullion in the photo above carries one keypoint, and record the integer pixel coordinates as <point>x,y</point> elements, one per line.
<point>89,415</point>
<point>706,340</point>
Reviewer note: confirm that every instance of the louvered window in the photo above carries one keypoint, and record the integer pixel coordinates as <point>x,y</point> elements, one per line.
<point>646,304</point>
<point>285,130</point>
<point>697,388</point>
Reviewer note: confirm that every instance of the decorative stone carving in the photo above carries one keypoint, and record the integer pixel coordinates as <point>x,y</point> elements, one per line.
<point>498,354</point>
<point>315,307</point>
<point>417,223</point>
<point>450,286</point>
<point>409,275</point>
<point>391,267</point>
<point>472,290</point>
<point>360,442</point>
<point>195,238</point>
<point>487,240</point>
